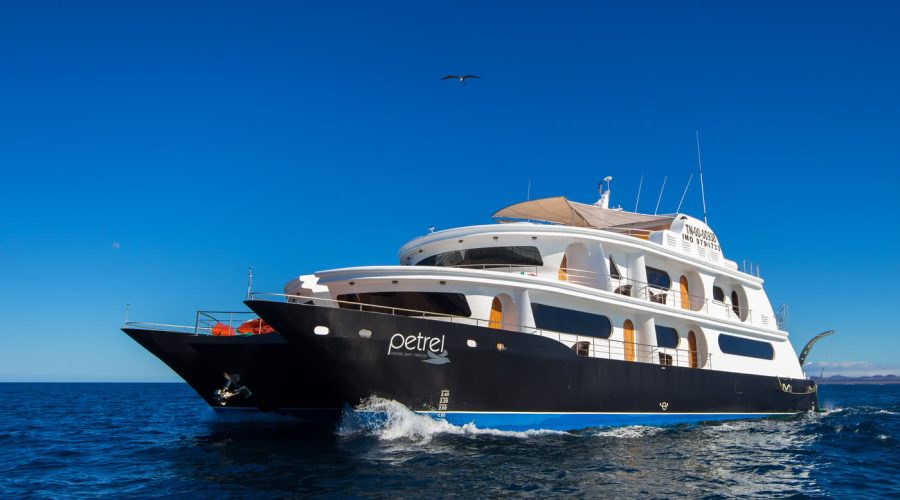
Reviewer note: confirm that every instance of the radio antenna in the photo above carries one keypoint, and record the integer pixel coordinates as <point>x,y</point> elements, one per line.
<point>638,200</point>
<point>529,190</point>
<point>250,283</point>
<point>663,188</point>
<point>678,210</point>
<point>702,191</point>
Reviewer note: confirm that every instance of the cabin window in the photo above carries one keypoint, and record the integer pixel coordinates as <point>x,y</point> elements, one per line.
<point>740,346</point>
<point>486,257</point>
<point>666,336</point>
<point>735,304</point>
<point>563,320</point>
<point>718,294</point>
<point>454,304</point>
<point>614,269</point>
<point>658,278</point>
<point>628,328</point>
<point>685,293</point>
<point>496,318</point>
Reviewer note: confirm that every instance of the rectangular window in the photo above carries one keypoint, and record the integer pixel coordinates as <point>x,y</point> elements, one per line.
<point>740,346</point>
<point>486,257</point>
<point>666,336</point>
<point>454,304</point>
<point>563,320</point>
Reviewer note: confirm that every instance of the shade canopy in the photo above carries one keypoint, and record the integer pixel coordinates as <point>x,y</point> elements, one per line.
<point>559,210</point>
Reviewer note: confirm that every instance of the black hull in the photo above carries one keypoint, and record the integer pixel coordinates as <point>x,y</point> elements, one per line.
<point>530,377</point>
<point>267,366</point>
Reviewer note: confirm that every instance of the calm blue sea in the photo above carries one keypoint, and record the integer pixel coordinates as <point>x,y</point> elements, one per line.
<point>60,440</point>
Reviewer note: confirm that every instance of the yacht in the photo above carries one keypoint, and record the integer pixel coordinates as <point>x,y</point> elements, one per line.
<point>560,315</point>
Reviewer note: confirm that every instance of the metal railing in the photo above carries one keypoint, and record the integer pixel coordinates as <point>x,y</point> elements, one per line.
<point>670,297</point>
<point>205,322</point>
<point>595,347</point>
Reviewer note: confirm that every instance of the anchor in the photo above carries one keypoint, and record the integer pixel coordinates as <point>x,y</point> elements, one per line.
<point>231,389</point>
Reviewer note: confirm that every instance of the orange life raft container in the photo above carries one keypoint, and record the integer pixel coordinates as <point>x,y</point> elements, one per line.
<point>222,330</point>
<point>256,327</point>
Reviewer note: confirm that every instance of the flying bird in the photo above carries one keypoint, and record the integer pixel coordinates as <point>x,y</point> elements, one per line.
<point>462,79</point>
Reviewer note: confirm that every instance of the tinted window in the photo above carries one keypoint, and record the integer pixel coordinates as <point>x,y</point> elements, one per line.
<point>735,305</point>
<point>444,303</point>
<point>613,268</point>
<point>559,319</point>
<point>666,336</point>
<point>516,256</point>
<point>740,346</point>
<point>658,278</point>
<point>718,294</point>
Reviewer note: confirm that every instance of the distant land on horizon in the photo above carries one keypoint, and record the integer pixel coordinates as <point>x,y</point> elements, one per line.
<point>871,379</point>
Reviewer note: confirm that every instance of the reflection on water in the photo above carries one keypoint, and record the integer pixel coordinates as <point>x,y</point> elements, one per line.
<point>122,439</point>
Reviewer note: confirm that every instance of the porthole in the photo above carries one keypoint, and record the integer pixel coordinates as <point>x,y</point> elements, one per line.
<point>501,346</point>
<point>365,333</point>
<point>471,343</point>
<point>321,330</point>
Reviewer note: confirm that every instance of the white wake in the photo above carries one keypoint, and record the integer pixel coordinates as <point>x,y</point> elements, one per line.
<point>389,420</point>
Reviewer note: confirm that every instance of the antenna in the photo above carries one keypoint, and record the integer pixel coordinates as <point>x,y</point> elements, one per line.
<point>678,210</point>
<point>640,185</point>
<point>702,191</point>
<point>528,198</point>
<point>249,282</point>
<point>663,188</point>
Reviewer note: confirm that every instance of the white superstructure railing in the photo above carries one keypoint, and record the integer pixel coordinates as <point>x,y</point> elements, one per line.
<point>672,298</point>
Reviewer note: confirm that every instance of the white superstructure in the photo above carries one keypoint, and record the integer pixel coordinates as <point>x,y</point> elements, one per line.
<point>605,282</point>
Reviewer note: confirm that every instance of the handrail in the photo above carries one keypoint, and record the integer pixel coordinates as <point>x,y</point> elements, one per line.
<point>143,325</point>
<point>204,322</point>
<point>614,349</point>
<point>639,289</point>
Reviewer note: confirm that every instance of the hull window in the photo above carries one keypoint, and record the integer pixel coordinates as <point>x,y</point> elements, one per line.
<point>563,320</point>
<point>454,304</point>
<point>629,340</point>
<point>685,295</point>
<point>486,257</point>
<point>666,336</point>
<point>740,346</point>
<point>496,318</point>
<point>692,349</point>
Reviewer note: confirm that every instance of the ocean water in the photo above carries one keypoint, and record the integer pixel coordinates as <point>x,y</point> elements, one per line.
<point>143,440</point>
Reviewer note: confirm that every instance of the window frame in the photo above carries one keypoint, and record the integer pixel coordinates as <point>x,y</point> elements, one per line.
<point>747,342</point>
<point>369,302</point>
<point>667,329</point>
<point>541,314</point>
<point>469,257</point>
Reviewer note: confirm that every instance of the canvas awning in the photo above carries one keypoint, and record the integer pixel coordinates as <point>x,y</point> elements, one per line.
<point>559,210</point>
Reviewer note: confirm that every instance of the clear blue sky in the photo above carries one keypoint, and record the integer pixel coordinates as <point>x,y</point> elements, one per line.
<point>203,137</point>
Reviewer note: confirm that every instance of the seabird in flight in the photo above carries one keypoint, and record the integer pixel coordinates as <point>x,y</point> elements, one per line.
<point>462,79</point>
